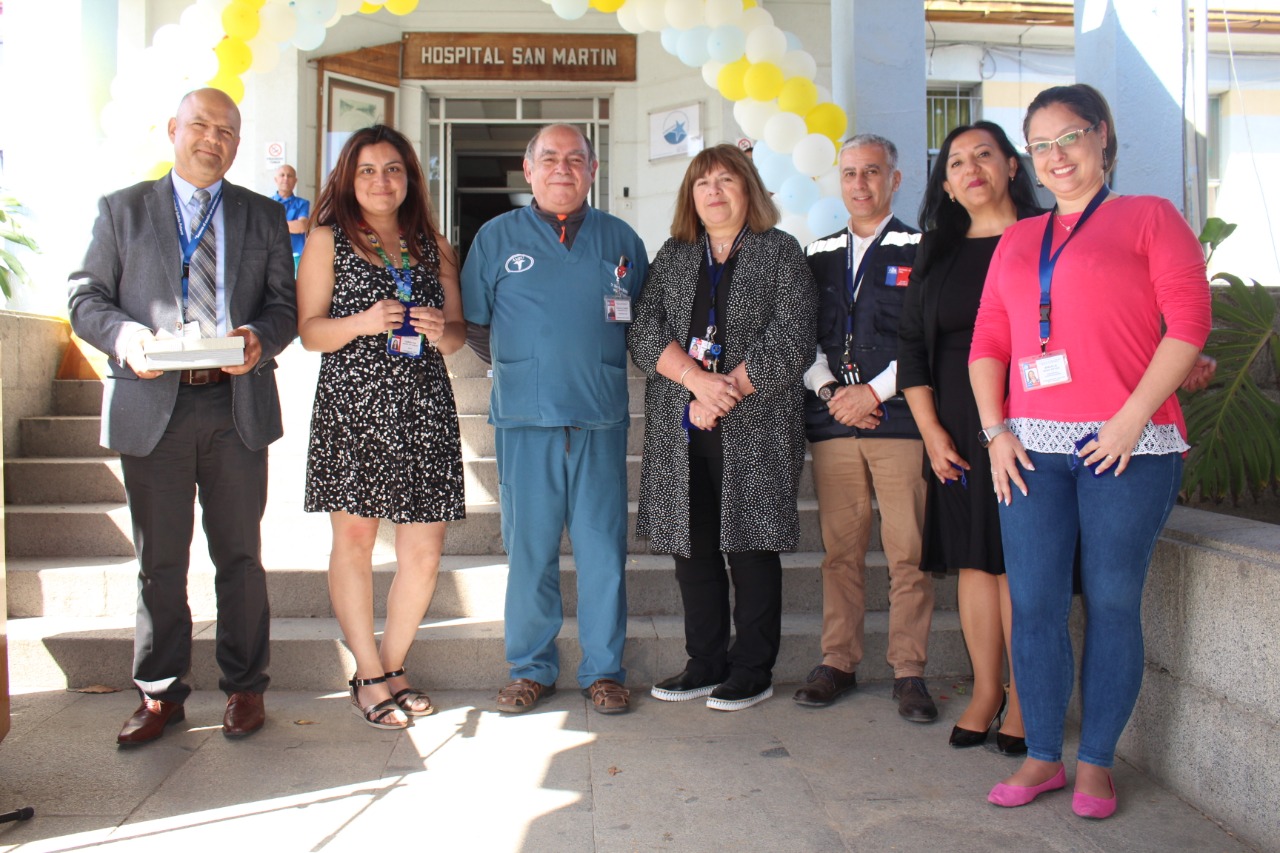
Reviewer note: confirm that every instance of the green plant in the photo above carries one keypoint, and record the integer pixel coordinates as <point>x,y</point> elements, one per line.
<point>11,232</point>
<point>1232,424</point>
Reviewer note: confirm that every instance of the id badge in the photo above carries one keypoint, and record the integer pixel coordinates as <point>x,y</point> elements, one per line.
<point>704,352</point>
<point>405,340</point>
<point>190,329</point>
<point>617,309</point>
<point>1044,371</point>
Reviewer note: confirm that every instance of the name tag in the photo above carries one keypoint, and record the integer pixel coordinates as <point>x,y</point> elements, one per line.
<point>617,309</point>
<point>1044,371</point>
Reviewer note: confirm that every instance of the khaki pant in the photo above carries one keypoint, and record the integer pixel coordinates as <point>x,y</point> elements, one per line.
<point>845,470</point>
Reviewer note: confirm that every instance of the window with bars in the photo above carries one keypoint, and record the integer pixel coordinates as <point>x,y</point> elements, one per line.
<point>946,108</point>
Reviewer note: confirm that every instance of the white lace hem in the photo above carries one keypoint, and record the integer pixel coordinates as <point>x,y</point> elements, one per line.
<point>1060,436</point>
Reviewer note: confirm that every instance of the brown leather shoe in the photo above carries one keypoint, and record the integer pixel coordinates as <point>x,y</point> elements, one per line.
<point>245,714</point>
<point>608,696</point>
<point>825,685</point>
<point>149,721</point>
<point>522,695</point>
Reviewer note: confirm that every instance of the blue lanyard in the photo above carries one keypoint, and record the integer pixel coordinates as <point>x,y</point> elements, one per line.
<point>189,245</point>
<point>1048,262</point>
<point>853,281</point>
<point>715,272</point>
<point>403,277</point>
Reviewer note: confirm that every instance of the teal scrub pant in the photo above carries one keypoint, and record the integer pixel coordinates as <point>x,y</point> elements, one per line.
<point>550,477</point>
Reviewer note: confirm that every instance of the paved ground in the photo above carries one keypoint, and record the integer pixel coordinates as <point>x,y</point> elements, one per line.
<point>563,779</point>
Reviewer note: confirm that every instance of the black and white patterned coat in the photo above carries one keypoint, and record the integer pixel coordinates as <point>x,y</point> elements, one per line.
<point>769,321</point>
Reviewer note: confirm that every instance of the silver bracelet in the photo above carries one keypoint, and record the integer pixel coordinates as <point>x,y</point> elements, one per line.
<point>683,375</point>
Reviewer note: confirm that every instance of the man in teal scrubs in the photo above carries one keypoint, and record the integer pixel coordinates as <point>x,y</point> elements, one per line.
<point>554,282</point>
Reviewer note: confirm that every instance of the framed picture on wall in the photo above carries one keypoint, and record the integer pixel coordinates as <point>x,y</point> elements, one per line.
<point>675,132</point>
<point>350,105</point>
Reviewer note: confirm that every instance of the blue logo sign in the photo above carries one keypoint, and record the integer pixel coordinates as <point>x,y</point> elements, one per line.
<point>675,129</point>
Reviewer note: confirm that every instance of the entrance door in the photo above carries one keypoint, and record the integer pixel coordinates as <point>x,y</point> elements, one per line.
<point>476,163</point>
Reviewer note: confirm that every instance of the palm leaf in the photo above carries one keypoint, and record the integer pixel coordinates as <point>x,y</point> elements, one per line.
<point>1232,425</point>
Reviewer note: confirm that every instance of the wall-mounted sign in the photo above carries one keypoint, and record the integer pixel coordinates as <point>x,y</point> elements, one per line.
<point>518,56</point>
<point>675,132</point>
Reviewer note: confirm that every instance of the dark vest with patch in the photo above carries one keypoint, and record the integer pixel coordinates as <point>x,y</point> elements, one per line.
<point>875,323</point>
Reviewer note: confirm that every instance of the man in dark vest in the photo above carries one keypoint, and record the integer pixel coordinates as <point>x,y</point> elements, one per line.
<point>862,436</point>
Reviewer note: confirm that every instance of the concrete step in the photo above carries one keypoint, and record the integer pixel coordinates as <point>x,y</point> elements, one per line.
<point>104,530</point>
<point>67,480</point>
<point>472,586</point>
<point>61,436</point>
<point>77,397</point>
<point>308,654</point>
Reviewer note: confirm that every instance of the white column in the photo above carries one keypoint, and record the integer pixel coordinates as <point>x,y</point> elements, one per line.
<point>878,76</point>
<point>1133,52</point>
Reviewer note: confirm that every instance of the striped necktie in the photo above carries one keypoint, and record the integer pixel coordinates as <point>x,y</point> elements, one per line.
<point>202,289</point>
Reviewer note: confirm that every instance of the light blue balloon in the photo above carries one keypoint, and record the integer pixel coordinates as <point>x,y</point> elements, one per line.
<point>670,38</point>
<point>774,168</point>
<point>798,194</point>
<point>726,43</point>
<point>692,46</point>
<point>827,216</point>
<point>793,40</point>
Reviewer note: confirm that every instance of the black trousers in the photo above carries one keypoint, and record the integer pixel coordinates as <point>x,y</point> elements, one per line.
<point>200,453</point>
<point>704,588</point>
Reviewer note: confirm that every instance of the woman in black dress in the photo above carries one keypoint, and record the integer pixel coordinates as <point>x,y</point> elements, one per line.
<point>378,295</point>
<point>976,190</point>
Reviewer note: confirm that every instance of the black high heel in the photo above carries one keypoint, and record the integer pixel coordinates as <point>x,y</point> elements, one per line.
<point>965,738</point>
<point>1010,745</point>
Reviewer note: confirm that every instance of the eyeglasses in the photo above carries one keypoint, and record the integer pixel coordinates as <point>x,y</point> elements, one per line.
<point>1066,140</point>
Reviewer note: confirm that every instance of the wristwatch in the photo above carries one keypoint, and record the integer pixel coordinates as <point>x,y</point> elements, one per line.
<point>985,437</point>
<point>827,391</point>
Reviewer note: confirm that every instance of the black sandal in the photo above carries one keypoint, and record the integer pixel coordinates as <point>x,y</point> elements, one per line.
<point>376,714</point>
<point>407,698</point>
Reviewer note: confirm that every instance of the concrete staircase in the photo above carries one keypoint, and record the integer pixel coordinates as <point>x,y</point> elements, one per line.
<point>72,579</point>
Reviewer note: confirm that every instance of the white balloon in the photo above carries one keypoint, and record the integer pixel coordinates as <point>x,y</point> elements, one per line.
<point>670,38</point>
<point>684,15</point>
<point>723,12</point>
<point>752,115</point>
<point>783,131</point>
<point>216,6</point>
<point>309,35</point>
<point>349,7</point>
<point>317,10</point>
<point>570,10</point>
<point>814,154</point>
<point>266,54</point>
<point>202,25</point>
<point>797,194</point>
<point>793,40</point>
<point>726,43</point>
<point>798,63</point>
<point>652,14</point>
<point>711,71</point>
<point>691,47</point>
<point>629,17</point>
<point>277,22</point>
<point>829,181</point>
<point>755,17</point>
<point>766,44</point>
<point>797,225</point>
<point>337,16</point>
<point>198,67</point>
<point>168,41</point>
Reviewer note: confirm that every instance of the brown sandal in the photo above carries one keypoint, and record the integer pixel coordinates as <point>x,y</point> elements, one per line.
<point>410,698</point>
<point>522,695</point>
<point>608,696</point>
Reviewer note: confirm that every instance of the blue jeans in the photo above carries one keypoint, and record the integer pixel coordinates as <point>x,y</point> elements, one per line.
<point>1117,521</point>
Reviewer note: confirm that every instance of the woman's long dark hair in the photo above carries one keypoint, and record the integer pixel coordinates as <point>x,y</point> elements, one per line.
<point>949,218</point>
<point>337,203</point>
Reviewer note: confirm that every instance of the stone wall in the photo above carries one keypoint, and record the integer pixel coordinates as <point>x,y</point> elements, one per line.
<point>32,348</point>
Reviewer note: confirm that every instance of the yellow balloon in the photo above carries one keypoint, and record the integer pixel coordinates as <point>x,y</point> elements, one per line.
<point>400,7</point>
<point>606,5</point>
<point>798,96</point>
<point>730,80</point>
<point>827,119</point>
<point>229,83</point>
<point>159,170</point>
<point>257,4</point>
<point>748,4</point>
<point>369,8</point>
<point>240,20</point>
<point>234,56</point>
<point>763,81</point>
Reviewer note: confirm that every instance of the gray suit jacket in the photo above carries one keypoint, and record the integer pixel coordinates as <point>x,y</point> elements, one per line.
<point>132,279</point>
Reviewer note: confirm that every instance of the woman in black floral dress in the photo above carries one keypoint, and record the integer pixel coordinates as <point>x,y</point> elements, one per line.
<point>378,295</point>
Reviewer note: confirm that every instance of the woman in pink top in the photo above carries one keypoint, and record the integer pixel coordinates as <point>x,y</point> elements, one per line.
<point>1090,318</point>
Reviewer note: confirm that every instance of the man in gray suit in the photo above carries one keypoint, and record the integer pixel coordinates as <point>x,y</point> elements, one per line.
<point>192,255</point>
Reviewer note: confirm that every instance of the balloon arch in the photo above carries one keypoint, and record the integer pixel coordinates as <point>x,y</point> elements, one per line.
<point>742,54</point>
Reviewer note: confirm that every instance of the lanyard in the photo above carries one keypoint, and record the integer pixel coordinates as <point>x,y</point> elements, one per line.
<point>189,245</point>
<point>402,276</point>
<point>714,273</point>
<point>853,281</point>
<point>1048,262</point>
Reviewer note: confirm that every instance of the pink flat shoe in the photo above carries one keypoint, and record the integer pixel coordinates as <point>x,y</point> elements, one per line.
<point>1011,796</point>
<point>1094,807</point>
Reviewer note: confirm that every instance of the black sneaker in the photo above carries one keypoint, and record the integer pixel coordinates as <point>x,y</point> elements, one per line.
<point>738,693</point>
<point>680,687</point>
<point>914,702</point>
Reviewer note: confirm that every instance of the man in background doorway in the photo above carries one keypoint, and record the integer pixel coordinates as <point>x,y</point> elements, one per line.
<point>297,210</point>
